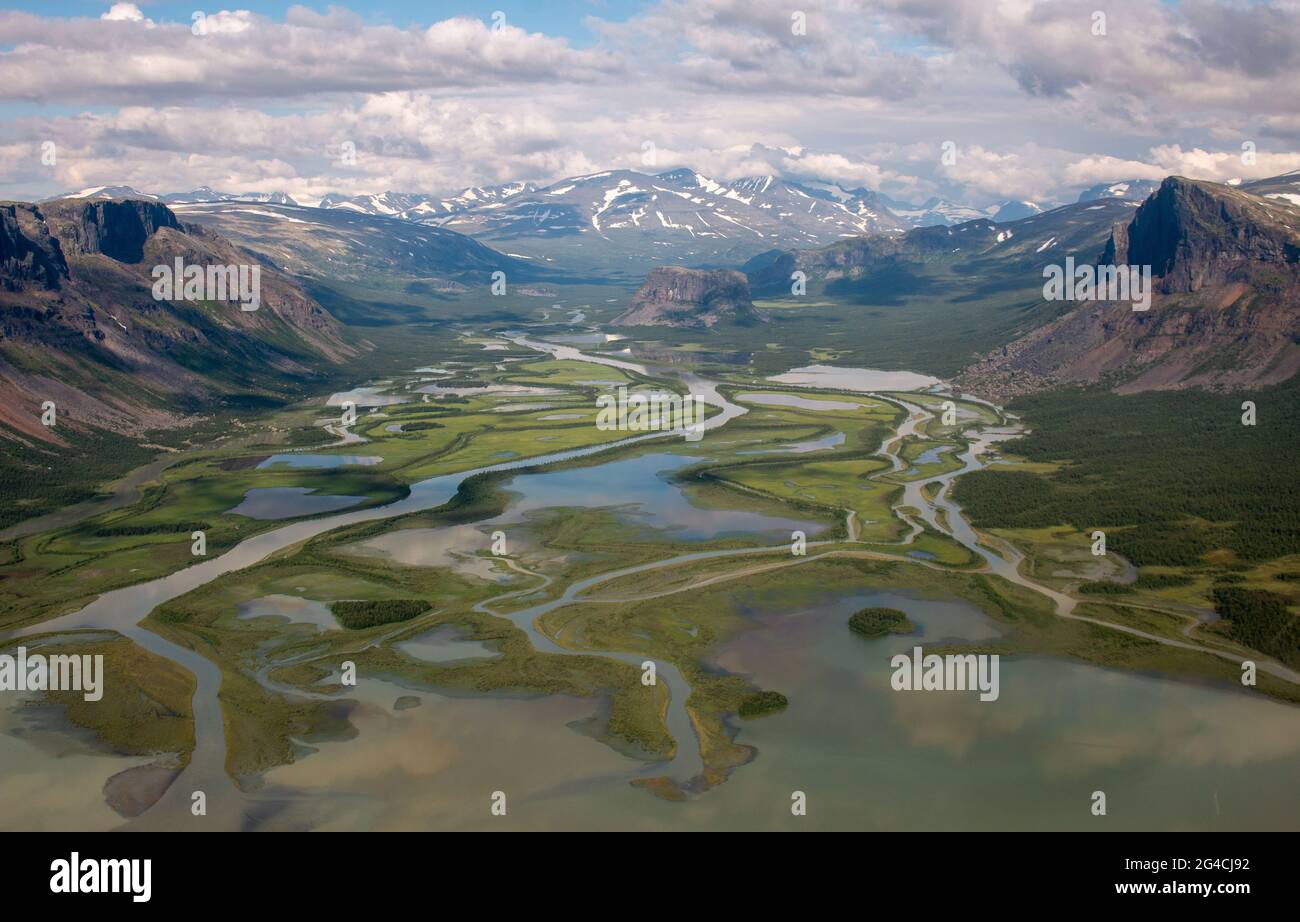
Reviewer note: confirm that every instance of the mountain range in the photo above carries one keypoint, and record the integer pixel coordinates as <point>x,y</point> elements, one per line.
<point>1225,262</point>
<point>78,308</point>
<point>342,244</point>
<point>625,221</point>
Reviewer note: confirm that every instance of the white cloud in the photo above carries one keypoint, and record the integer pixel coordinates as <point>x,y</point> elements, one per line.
<point>1037,106</point>
<point>123,12</point>
<point>239,54</point>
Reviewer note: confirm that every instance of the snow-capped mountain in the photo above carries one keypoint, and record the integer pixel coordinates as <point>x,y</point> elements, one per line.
<point>633,219</point>
<point>1134,190</point>
<point>208,194</point>
<point>475,197</point>
<point>416,206</point>
<point>392,204</point>
<point>1015,211</point>
<point>675,200</point>
<point>626,219</point>
<point>106,192</point>
<point>1285,187</point>
<point>934,212</point>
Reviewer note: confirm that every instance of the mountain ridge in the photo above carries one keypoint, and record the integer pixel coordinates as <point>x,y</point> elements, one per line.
<point>1225,314</point>
<point>80,326</point>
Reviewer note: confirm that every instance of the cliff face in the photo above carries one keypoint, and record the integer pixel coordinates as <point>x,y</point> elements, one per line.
<point>1226,274</point>
<point>79,323</point>
<point>1197,235</point>
<point>29,256</point>
<point>679,297</point>
<point>118,230</point>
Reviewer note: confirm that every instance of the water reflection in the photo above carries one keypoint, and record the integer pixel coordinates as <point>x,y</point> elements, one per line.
<point>640,485</point>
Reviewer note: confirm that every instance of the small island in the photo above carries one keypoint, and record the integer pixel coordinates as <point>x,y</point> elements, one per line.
<point>877,622</point>
<point>762,703</point>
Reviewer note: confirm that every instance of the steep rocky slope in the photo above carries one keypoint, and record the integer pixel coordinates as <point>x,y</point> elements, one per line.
<point>1226,311</point>
<point>80,326</point>
<point>345,245</point>
<point>691,298</point>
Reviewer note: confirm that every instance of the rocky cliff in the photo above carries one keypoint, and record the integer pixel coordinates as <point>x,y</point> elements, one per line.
<point>29,256</point>
<point>79,323</point>
<point>679,297</point>
<point>1197,235</point>
<point>118,230</point>
<point>1226,312</point>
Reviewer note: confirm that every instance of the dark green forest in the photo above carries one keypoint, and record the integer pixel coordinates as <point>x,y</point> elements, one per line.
<point>36,478</point>
<point>1168,476</point>
<point>1260,620</point>
<point>877,622</point>
<point>357,614</point>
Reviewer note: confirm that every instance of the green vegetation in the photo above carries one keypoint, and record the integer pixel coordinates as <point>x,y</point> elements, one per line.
<point>1171,476</point>
<point>1260,620</point>
<point>37,479</point>
<point>761,704</point>
<point>156,528</point>
<point>40,478</point>
<point>1104,587</point>
<point>356,614</point>
<point>833,481</point>
<point>146,709</point>
<point>877,622</point>
<point>1145,581</point>
<point>1161,581</point>
<point>677,615</point>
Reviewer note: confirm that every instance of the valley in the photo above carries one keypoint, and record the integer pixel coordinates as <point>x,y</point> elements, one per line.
<point>373,553</point>
<point>617,550</point>
<point>652,416</point>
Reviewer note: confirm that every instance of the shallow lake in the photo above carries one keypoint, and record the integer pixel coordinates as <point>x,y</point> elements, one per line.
<point>586,339</point>
<point>642,483</point>
<point>800,448</point>
<point>54,773</point>
<point>365,397</point>
<point>793,400</point>
<point>929,456</point>
<point>292,609</point>
<point>512,389</point>
<point>304,460</point>
<point>855,379</point>
<point>444,645</point>
<point>1169,755</point>
<point>457,547</point>
<point>289,502</point>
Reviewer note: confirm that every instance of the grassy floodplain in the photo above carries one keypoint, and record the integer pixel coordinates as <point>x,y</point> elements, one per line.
<point>812,455</point>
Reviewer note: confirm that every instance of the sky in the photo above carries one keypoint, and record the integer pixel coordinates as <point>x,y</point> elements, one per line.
<point>978,101</point>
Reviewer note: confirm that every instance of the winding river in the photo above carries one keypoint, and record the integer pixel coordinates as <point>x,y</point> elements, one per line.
<point>122,610</point>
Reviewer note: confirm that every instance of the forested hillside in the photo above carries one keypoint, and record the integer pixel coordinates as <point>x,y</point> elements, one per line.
<point>1170,476</point>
